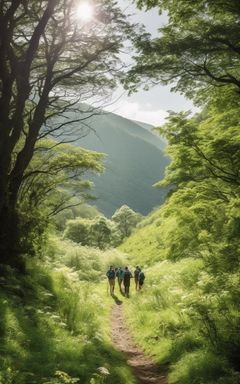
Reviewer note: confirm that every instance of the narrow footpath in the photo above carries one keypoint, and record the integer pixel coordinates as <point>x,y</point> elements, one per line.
<point>145,370</point>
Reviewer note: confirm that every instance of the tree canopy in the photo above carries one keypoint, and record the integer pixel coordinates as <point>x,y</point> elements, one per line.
<point>51,61</point>
<point>126,219</point>
<point>198,48</point>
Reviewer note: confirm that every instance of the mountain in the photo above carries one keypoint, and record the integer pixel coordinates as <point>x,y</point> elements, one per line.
<point>162,142</point>
<point>135,161</point>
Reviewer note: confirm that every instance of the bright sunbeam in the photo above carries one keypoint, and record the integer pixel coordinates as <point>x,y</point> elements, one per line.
<point>85,11</point>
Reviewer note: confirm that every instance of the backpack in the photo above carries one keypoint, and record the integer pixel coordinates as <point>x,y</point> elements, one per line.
<point>111,274</point>
<point>127,276</point>
<point>121,274</point>
<point>136,273</point>
<point>141,276</point>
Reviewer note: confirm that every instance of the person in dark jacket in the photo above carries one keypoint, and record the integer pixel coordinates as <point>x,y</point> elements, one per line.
<point>126,281</point>
<point>141,278</point>
<point>136,277</point>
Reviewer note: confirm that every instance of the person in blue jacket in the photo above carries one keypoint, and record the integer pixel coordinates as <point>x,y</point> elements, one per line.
<point>120,276</point>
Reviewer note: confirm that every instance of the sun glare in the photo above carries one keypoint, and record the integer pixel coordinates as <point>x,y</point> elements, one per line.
<point>85,11</point>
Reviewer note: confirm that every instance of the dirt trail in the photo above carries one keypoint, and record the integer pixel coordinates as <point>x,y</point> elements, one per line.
<point>145,370</point>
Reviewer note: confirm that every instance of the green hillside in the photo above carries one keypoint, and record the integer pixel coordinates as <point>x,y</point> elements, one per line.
<point>188,315</point>
<point>135,161</point>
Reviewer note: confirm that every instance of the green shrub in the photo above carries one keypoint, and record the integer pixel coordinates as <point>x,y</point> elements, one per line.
<point>201,367</point>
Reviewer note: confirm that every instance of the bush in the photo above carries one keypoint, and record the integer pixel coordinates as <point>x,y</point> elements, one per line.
<point>201,367</point>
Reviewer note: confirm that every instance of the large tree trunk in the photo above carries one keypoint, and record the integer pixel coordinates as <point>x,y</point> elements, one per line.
<point>10,249</point>
<point>15,74</point>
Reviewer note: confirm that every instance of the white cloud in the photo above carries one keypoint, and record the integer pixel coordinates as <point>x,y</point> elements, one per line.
<point>136,111</point>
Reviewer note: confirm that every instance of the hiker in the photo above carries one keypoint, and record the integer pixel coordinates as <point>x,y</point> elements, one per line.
<point>126,281</point>
<point>111,279</point>
<point>136,275</point>
<point>141,278</point>
<point>120,275</point>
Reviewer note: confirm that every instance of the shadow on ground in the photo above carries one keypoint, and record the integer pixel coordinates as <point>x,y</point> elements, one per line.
<point>116,299</point>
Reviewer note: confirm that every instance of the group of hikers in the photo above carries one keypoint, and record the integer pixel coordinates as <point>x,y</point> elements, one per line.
<point>123,276</point>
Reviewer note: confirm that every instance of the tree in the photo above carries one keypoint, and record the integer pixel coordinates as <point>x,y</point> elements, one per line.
<point>205,147</point>
<point>53,182</point>
<point>77,230</point>
<point>83,210</point>
<point>197,49</point>
<point>201,218</point>
<point>97,232</point>
<point>50,61</point>
<point>101,232</point>
<point>126,219</point>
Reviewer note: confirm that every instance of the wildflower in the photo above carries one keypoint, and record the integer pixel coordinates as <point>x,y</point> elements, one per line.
<point>103,371</point>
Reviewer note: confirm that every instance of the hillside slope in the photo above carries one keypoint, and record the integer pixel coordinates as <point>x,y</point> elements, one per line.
<point>144,245</point>
<point>135,161</point>
<point>187,314</point>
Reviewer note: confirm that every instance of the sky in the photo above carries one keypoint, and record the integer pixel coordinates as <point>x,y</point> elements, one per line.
<point>148,106</point>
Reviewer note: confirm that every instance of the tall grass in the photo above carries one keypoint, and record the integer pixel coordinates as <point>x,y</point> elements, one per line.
<point>163,321</point>
<point>90,263</point>
<point>54,324</point>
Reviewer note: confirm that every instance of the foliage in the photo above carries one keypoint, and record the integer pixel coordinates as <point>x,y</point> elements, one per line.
<point>189,316</point>
<point>206,146</point>
<point>196,50</point>
<point>45,193</point>
<point>99,232</point>
<point>126,219</point>
<point>54,325</point>
<point>90,263</point>
<point>78,230</point>
<point>62,377</point>
<point>83,210</point>
<point>46,73</point>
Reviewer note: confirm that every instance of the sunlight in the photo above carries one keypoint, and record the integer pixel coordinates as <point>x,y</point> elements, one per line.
<point>85,11</point>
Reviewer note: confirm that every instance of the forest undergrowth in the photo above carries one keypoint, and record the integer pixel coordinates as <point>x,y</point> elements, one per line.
<point>55,320</point>
<point>55,323</point>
